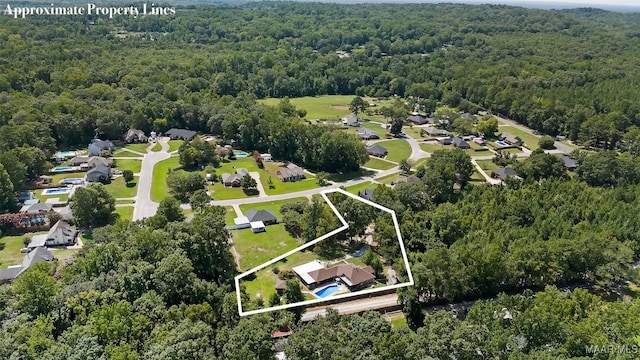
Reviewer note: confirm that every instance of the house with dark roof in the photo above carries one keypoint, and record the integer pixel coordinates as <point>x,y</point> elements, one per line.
<point>367,134</point>
<point>292,172</point>
<point>418,119</point>
<point>98,174</point>
<point>266,216</point>
<point>377,150</point>
<point>35,256</point>
<point>503,173</point>
<point>409,180</point>
<point>135,136</point>
<point>242,172</point>
<point>60,234</point>
<point>366,194</point>
<point>181,134</point>
<point>354,277</point>
<point>510,139</point>
<point>433,131</point>
<point>230,179</point>
<point>36,208</point>
<point>351,120</point>
<point>460,143</point>
<point>569,163</point>
<point>97,146</point>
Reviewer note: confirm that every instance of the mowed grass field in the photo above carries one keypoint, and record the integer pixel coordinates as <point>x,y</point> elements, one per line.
<point>375,163</point>
<point>355,189</point>
<point>271,205</point>
<point>133,165</point>
<point>328,107</point>
<point>530,141</point>
<point>141,148</point>
<point>282,187</point>
<point>119,189</point>
<point>125,153</point>
<point>258,248</point>
<point>174,145</point>
<point>125,212</point>
<point>398,149</point>
<point>159,188</point>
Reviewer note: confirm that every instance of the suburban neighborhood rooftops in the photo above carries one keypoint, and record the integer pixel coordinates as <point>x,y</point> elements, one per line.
<point>377,150</point>
<point>304,270</point>
<point>261,215</point>
<point>242,171</point>
<point>510,138</point>
<point>367,134</point>
<point>502,173</point>
<point>569,162</point>
<point>418,119</point>
<point>36,208</point>
<point>367,193</point>
<point>35,256</point>
<point>351,274</point>
<point>135,135</point>
<point>183,134</point>
<point>434,131</point>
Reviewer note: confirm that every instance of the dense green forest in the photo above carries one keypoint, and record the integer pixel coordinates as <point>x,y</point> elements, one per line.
<point>132,294</point>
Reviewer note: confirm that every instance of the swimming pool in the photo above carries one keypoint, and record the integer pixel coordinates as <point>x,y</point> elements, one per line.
<point>240,154</point>
<point>327,291</point>
<point>65,154</point>
<point>72,181</point>
<point>55,191</point>
<point>62,169</point>
<point>501,143</point>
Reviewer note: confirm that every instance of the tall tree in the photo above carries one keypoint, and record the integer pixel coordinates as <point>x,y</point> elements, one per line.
<point>357,105</point>
<point>8,200</point>
<point>92,206</point>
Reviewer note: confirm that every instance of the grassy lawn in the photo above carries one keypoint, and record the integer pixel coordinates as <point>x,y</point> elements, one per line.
<point>281,187</point>
<point>230,166</point>
<point>434,146</point>
<point>375,127</point>
<point>229,215</point>
<point>271,205</point>
<point>219,192</point>
<point>376,163</point>
<point>256,249</point>
<point>125,153</point>
<point>133,165</point>
<point>319,107</point>
<point>350,176</point>
<point>530,141</point>
<point>159,188</point>
<point>398,321</point>
<point>10,253</point>
<point>141,148</point>
<point>398,149</point>
<point>125,202</point>
<point>419,163</point>
<point>125,212</point>
<point>355,189</point>
<point>43,198</point>
<point>174,145</point>
<point>487,165</point>
<point>414,132</point>
<point>119,189</point>
<point>388,179</point>
<point>157,147</point>
<point>477,176</point>
<point>63,254</point>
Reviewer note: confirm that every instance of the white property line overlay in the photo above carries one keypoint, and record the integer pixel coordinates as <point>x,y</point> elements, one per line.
<point>310,243</point>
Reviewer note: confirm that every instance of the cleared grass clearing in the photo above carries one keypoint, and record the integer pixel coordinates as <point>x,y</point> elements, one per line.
<point>159,188</point>
<point>125,153</point>
<point>258,248</point>
<point>119,189</point>
<point>220,192</point>
<point>141,148</point>
<point>376,163</point>
<point>174,145</point>
<point>398,149</point>
<point>133,165</point>
<point>355,189</point>
<point>125,212</point>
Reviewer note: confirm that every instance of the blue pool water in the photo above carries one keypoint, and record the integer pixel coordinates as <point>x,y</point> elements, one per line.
<point>501,143</point>
<point>72,181</point>
<point>65,154</point>
<point>62,169</point>
<point>55,191</point>
<point>327,291</point>
<point>240,154</point>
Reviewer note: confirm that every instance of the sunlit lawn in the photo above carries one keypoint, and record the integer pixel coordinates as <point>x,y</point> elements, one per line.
<point>398,321</point>
<point>133,165</point>
<point>398,149</point>
<point>419,163</point>
<point>256,249</point>
<point>350,176</point>
<point>487,165</point>
<point>530,141</point>
<point>230,166</point>
<point>388,179</point>
<point>174,145</point>
<point>159,188</point>
<point>271,205</point>
<point>414,132</point>
<point>376,163</point>
<point>355,189</point>
<point>220,192</point>
<point>319,107</point>
<point>375,127</point>
<point>229,215</point>
<point>125,212</point>
<point>141,148</point>
<point>477,176</point>
<point>10,249</point>
<point>157,147</point>
<point>119,189</point>
<point>125,153</point>
<point>55,179</point>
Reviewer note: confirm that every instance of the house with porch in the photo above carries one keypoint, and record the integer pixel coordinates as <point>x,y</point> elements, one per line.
<point>97,146</point>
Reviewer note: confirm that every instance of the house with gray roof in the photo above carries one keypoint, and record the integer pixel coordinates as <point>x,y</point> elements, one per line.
<point>230,179</point>
<point>503,173</point>
<point>36,208</point>
<point>510,139</point>
<point>366,194</point>
<point>266,216</point>
<point>569,163</point>
<point>97,146</point>
<point>242,172</point>
<point>418,119</point>
<point>367,134</point>
<point>98,174</point>
<point>60,234</point>
<point>135,136</point>
<point>460,143</point>
<point>181,134</point>
<point>433,131</point>
<point>377,150</point>
<point>36,255</point>
<point>292,172</point>
<point>351,120</point>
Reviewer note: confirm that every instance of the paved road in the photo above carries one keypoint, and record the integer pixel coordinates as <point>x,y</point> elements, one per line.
<point>144,206</point>
<point>356,306</point>
<point>256,176</point>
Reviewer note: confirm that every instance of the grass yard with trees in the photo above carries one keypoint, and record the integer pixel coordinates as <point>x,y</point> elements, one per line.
<point>379,164</point>
<point>398,149</point>
<point>271,205</point>
<point>530,141</point>
<point>133,165</point>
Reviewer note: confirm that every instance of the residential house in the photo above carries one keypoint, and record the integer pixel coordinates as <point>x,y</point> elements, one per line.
<point>181,134</point>
<point>61,233</point>
<point>479,141</point>
<point>469,116</point>
<point>98,174</point>
<point>366,194</point>
<point>314,274</point>
<point>266,157</point>
<point>569,163</point>
<point>460,143</point>
<point>510,139</point>
<point>433,131</point>
<point>291,173</point>
<point>97,146</point>
<point>79,160</point>
<point>503,173</point>
<point>409,180</point>
<point>377,150</point>
<point>35,256</point>
<point>265,216</point>
<point>242,172</point>
<point>230,179</point>
<point>418,119</point>
<point>257,226</point>
<point>36,208</point>
<point>135,136</point>
<point>351,120</point>
<point>280,286</point>
<point>367,134</point>
<point>444,140</point>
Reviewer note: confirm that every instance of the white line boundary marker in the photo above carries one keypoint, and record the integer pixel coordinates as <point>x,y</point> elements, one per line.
<point>325,236</point>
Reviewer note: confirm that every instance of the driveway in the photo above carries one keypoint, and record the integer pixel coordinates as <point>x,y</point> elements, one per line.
<point>144,206</point>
